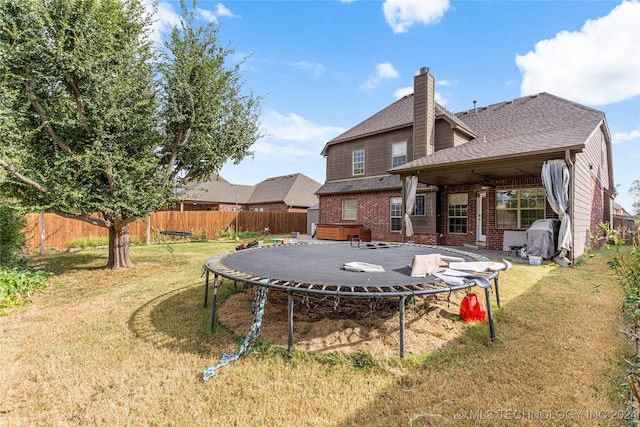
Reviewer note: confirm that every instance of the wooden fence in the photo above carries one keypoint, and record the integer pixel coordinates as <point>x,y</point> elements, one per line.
<point>56,230</point>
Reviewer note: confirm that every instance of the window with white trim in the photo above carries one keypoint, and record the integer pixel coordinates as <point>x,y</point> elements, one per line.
<point>398,154</point>
<point>349,209</point>
<point>358,162</point>
<point>457,212</point>
<point>519,208</point>
<point>395,213</point>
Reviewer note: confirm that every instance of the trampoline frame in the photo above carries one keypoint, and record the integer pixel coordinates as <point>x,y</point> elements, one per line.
<point>216,266</point>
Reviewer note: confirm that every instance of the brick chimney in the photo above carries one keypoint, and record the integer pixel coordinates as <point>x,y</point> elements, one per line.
<point>424,113</point>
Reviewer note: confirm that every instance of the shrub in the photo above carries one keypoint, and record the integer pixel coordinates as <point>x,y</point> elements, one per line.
<point>18,284</point>
<point>12,238</point>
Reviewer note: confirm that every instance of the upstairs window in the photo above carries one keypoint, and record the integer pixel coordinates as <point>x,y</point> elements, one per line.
<point>358,162</point>
<point>398,154</point>
<point>518,209</point>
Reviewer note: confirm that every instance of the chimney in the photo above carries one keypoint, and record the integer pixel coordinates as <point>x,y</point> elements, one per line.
<point>424,114</point>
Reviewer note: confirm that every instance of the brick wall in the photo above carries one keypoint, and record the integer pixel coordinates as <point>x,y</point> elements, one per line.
<point>597,214</point>
<point>374,213</point>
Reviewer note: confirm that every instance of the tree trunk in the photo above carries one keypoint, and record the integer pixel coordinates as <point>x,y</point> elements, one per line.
<point>118,248</point>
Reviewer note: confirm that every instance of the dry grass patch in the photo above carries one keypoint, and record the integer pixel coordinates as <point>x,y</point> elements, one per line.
<point>129,347</point>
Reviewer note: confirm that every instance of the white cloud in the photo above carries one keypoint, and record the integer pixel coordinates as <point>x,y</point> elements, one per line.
<point>402,14</point>
<point>317,69</point>
<point>222,10</point>
<point>383,71</point>
<point>207,15</point>
<point>597,65</point>
<point>165,16</point>
<point>292,135</point>
<point>402,92</point>
<point>619,137</point>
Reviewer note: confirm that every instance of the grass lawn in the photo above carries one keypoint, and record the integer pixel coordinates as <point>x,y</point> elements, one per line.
<point>129,348</point>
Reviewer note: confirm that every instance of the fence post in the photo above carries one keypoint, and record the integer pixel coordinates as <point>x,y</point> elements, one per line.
<point>148,230</point>
<point>42,233</point>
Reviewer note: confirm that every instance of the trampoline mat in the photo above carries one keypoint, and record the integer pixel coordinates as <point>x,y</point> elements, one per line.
<point>321,263</point>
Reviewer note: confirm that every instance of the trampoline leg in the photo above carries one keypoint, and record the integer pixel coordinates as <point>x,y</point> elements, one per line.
<point>290,324</point>
<point>212,319</point>
<point>492,331</point>
<point>402,301</point>
<point>495,285</point>
<point>206,288</point>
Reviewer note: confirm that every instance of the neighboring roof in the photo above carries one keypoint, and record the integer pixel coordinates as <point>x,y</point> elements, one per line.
<point>397,115</point>
<point>293,190</point>
<point>517,128</point>
<point>218,190</point>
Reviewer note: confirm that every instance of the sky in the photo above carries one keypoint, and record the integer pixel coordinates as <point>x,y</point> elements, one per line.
<point>322,67</point>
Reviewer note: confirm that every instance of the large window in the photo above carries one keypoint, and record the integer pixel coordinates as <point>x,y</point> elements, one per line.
<point>398,154</point>
<point>396,213</point>
<point>457,209</point>
<point>350,209</point>
<point>358,162</point>
<point>518,209</point>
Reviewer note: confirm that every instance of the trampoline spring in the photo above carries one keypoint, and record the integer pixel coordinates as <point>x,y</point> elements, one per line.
<point>305,300</point>
<point>336,301</point>
<point>449,299</point>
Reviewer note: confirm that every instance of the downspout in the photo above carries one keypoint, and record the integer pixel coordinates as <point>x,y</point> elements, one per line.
<point>572,180</point>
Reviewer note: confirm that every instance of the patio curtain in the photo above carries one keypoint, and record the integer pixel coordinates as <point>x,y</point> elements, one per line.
<point>411,185</point>
<point>555,179</point>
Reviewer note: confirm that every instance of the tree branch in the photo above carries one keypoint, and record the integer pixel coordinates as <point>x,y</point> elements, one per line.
<point>83,217</point>
<point>45,120</point>
<point>181,138</point>
<point>21,177</point>
<point>80,105</point>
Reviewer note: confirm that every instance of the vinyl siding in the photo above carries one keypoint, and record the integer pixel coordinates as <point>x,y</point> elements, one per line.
<point>377,155</point>
<point>585,190</point>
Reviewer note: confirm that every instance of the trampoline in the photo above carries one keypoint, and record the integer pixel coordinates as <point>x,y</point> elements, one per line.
<point>317,269</point>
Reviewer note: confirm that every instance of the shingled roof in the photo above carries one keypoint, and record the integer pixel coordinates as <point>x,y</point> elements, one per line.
<point>217,190</point>
<point>516,128</point>
<point>294,190</point>
<point>395,116</point>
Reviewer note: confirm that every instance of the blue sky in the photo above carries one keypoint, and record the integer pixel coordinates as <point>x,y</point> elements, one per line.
<point>324,66</point>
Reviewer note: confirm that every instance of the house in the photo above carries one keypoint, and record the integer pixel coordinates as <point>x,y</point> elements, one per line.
<point>476,174</point>
<point>289,193</point>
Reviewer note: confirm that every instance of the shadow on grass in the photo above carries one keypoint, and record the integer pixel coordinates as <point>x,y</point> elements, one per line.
<point>178,321</point>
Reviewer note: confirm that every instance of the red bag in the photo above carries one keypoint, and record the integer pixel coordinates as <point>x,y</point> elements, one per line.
<point>472,309</point>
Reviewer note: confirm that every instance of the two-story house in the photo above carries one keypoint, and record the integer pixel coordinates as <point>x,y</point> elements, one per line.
<point>473,177</point>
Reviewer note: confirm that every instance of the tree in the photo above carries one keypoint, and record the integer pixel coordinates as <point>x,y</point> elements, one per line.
<point>635,192</point>
<point>99,125</point>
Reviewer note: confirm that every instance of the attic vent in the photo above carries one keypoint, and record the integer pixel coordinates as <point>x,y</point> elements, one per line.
<point>534,96</point>
<point>509,102</point>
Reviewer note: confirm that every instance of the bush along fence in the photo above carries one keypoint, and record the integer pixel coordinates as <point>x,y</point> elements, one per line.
<point>626,267</point>
<point>46,231</point>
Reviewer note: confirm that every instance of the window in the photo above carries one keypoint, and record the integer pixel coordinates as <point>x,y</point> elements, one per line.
<point>518,209</point>
<point>398,154</point>
<point>419,206</point>
<point>396,213</point>
<point>349,209</point>
<point>358,162</point>
<point>457,208</point>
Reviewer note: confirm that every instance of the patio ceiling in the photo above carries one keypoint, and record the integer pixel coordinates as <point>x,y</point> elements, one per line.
<point>477,172</point>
